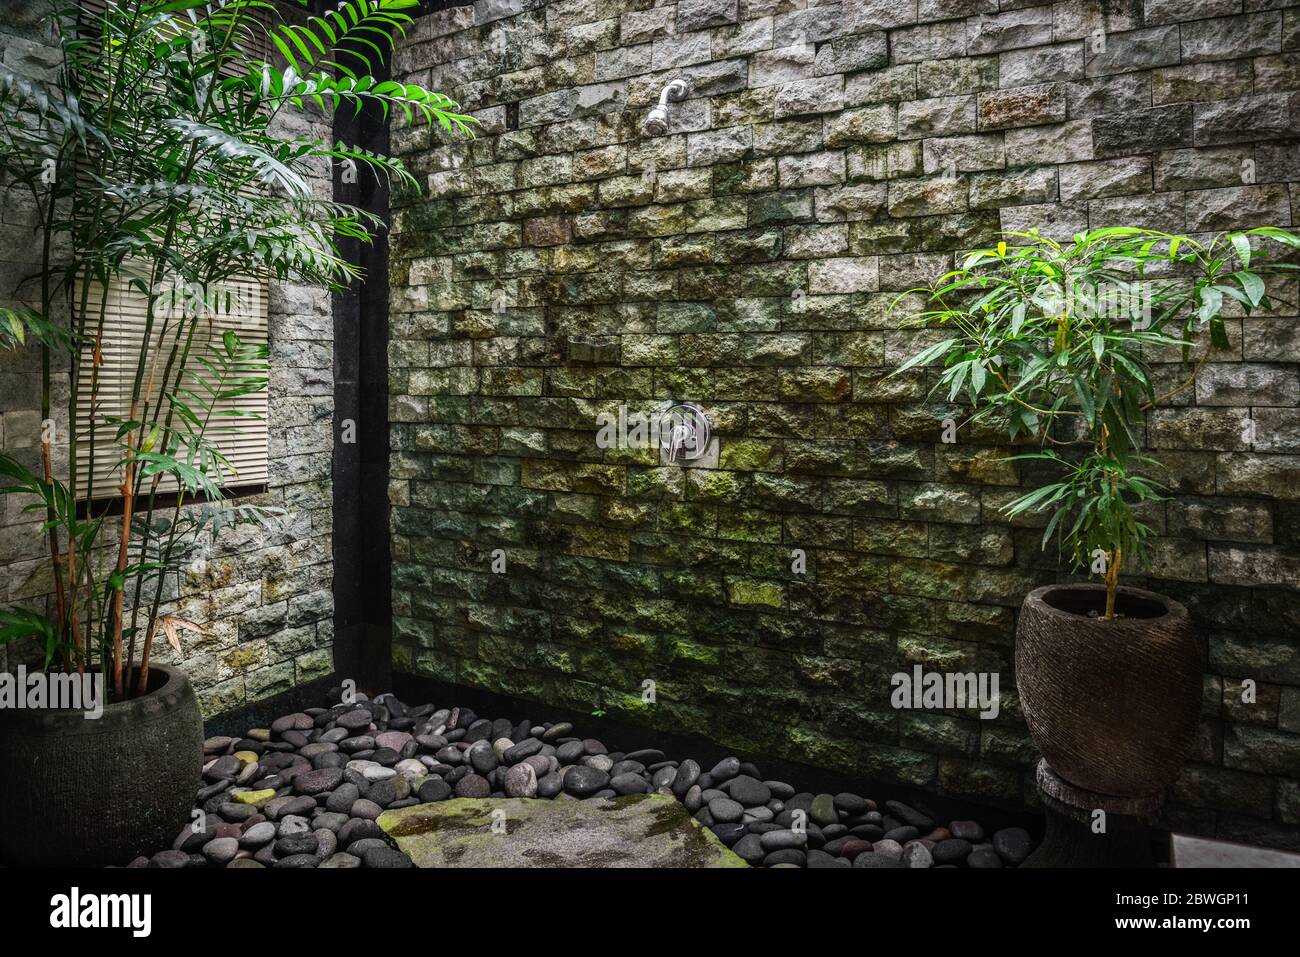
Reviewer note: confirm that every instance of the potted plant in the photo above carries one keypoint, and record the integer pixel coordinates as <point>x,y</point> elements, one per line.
<point>1064,346</point>
<point>155,165</point>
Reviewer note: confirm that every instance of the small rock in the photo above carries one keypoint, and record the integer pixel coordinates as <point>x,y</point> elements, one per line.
<point>788,856</point>
<point>887,848</point>
<point>851,804</point>
<point>341,859</point>
<point>473,786</point>
<point>781,839</point>
<point>317,782</point>
<point>725,810</point>
<point>688,773</point>
<point>170,859</point>
<point>583,781</point>
<point>822,810</point>
<point>967,831</point>
<point>386,857</point>
<point>909,815</point>
<point>521,781</point>
<point>629,783</point>
<point>355,720</point>
<point>871,859</point>
<point>296,844</point>
<point>556,731</point>
<point>221,850</point>
<point>725,770</point>
<point>749,791</point>
<point>916,854</point>
<point>952,851</point>
<point>434,789</point>
<point>257,835</point>
<point>1012,844</point>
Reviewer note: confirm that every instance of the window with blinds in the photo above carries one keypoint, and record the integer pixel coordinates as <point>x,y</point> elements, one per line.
<point>104,400</point>
<point>104,394</point>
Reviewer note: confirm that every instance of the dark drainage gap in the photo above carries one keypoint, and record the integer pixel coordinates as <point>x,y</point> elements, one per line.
<point>260,714</point>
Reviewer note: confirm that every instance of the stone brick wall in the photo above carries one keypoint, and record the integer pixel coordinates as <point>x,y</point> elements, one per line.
<point>265,599</point>
<point>828,156</point>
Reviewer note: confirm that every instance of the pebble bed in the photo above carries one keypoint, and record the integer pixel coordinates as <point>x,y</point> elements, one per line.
<point>306,791</point>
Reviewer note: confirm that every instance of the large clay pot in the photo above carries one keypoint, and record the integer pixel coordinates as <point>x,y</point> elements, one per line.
<point>1112,705</point>
<point>81,792</point>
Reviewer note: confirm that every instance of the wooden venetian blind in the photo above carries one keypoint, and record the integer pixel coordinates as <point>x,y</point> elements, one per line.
<point>238,305</point>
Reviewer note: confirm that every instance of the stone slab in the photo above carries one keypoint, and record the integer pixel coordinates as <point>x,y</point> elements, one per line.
<point>638,830</point>
<point>1188,850</point>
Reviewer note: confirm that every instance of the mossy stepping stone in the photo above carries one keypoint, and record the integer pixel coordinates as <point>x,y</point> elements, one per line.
<point>638,830</point>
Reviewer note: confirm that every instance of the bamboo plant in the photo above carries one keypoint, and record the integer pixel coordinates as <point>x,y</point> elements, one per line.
<point>1060,342</point>
<point>154,160</point>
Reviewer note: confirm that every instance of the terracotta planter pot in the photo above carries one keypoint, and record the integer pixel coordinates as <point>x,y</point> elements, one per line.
<point>1112,705</point>
<point>80,792</point>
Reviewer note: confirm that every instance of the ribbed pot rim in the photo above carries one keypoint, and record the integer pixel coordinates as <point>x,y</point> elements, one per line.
<point>142,705</point>
<point>1172,609</point>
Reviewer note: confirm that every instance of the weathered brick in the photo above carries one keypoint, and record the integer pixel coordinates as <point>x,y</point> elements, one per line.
<point>1200,168</point>
<point>963,154</point>
<point>1222,520</point>
<point>878,15</point>
<point>1196,428</point>
<point>940,116</point>
<point>868,51</point>
<point>811,169</point>
<point>1276,429</point>
<point>1136,50</point>
<point>1247,118</point>
<point>1229,38</point>
<point>1116,177</point>
<point>843,275</point>
<point>703,14</point>
<point>1013,188</point>
<point>1249,474</point>
<point>1247,384</point>
<point>930,41</point>
<point>1239,207</point>
<point>1045,64</point>
<point>719,146</point>
<point>1022,106</point>
<point>1142,131</point>
<point>889,85</point>
<point>1201,81</point>
<point>1162,211</point>
<point>1059,143</point>
<point>926,197</point>
<point>819,95</point>
<point>989,33</point>
<point>870,124</point>
<point>1099,96</point>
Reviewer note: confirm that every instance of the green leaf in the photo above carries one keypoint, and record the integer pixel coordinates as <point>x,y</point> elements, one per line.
<point>1251,285</point>
<point>1242,245</point>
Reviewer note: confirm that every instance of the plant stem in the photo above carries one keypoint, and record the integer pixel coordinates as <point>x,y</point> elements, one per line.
<point>1112,581</point>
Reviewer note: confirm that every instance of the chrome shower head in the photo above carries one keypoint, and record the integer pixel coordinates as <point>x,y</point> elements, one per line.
<point>656,121</point>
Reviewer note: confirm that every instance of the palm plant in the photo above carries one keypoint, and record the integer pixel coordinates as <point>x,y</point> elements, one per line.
<point>1058,343</point>
<point>154,161</point>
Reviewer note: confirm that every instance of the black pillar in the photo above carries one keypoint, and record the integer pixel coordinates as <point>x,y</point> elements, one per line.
<point>362,559</point>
